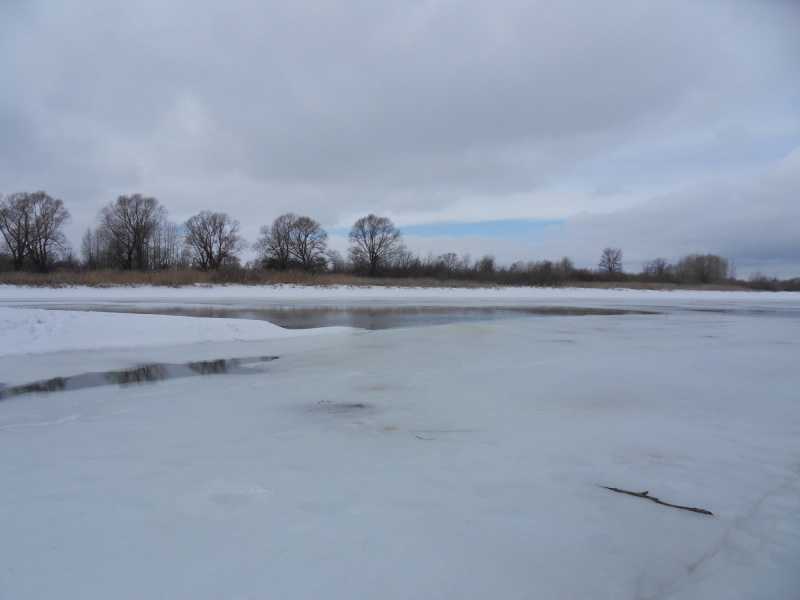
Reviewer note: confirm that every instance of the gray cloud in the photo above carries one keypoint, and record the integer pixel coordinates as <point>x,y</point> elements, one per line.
<point>335,108</point>
<point>754,224</point>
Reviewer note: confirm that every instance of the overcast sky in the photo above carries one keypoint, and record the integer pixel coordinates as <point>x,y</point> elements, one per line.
<point>526,129</point>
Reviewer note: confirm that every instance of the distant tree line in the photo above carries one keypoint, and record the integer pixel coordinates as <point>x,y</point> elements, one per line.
<point>133,233</point>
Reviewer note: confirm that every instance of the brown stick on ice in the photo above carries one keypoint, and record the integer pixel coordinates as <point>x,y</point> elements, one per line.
<point>702,511</point>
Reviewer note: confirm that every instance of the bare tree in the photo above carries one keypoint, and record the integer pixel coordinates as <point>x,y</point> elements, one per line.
<point>90,250</point>
<point>212,237</point>
<point>335,261</point>
<point>129,226</point>
<point>31,227</point>
<point>15,227</point>
<point>274,244</point>
<point>703,268</point>
<point>657,268</point>
<point>403,261</point>
<point>46,239</point>
<point>308,243</point>
<point>167,249</point>
<point>428,262</point>
<point>293,242</point>
<point>486,264</point>
<point>611,260</point>
<point>764,282</point>
<point>97,249</point>
<point>374,242</point>
<point>447,263</point>
<point>566,267</point>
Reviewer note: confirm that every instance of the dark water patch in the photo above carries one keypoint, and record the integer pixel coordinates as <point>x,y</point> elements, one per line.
<point>371,318</point>
<point>138,375</point>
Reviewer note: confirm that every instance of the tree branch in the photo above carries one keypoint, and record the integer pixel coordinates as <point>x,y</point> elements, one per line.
<point>645,495</point>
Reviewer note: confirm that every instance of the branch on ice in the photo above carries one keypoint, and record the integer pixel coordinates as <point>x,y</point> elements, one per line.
<point>702,511</point>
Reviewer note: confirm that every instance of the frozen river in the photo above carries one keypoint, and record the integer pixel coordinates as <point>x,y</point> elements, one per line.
<point>464,458</point>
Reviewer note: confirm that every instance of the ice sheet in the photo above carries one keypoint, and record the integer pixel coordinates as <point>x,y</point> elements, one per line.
<point>459,461</point>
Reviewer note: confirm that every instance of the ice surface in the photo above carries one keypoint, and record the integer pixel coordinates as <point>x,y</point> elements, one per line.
<point>38,331</point>
<point>457,461</point>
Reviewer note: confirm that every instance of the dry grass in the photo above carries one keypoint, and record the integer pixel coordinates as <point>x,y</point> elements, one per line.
<point>104,278</point>
<point>651,285</point>
<point>186,277</point>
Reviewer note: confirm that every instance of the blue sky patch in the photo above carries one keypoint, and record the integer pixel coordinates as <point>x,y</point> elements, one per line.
<point>494,229</point>
<point>504,229</point>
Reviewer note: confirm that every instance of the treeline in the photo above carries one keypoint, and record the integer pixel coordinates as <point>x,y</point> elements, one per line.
<point>134,234</point>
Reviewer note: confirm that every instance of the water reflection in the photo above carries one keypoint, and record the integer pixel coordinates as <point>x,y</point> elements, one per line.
<point>138,375</point>
<point>49,385</point>
<point>373,317</point>
<point>210,367</point>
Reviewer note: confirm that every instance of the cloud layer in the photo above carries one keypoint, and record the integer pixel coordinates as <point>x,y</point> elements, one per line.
<point>607,114</point>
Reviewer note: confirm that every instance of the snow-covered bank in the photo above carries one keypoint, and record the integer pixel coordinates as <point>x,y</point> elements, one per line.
<point>234,298</point>
<point>36,331</point>
<point>460,461</point>
<point>290,293</point>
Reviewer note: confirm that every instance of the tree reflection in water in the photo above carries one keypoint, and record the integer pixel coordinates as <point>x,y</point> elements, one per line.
<point>138,375</point>
<point>50,385</point>
<point>223,366</point>
<point>210,367</point>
